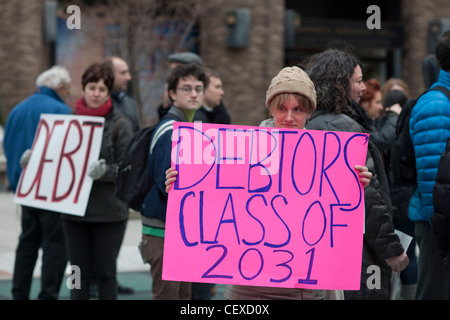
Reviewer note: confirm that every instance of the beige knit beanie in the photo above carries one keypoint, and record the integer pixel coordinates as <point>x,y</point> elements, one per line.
<point>292,80</point>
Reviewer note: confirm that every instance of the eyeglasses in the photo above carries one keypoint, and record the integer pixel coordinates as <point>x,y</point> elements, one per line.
<point>188,89</point>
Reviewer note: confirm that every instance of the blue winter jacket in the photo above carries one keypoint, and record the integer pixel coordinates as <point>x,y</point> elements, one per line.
<point>429,130</point>
<point>21,127</point>
<point>153,210</point>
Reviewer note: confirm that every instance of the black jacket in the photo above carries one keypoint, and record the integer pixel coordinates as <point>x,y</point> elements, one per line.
<point>440,219</point>
<point>218,115</point>
<point>380,241</point>
<point>103,205</point>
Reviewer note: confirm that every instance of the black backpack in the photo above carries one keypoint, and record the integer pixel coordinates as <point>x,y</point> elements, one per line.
<point>440,219</point>
<point>132,182</point>
<point>403,160</point>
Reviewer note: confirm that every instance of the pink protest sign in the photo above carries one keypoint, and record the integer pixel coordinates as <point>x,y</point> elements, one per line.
<point>265,207</point>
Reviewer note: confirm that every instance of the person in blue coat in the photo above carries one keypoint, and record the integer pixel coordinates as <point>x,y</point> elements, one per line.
<point>40,228</point>
<point>429,128</point>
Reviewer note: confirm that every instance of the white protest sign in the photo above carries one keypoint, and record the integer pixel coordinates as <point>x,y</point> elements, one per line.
<point>55,177</point>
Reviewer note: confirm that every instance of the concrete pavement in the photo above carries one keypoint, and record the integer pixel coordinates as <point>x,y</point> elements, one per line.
<point>132,272</point>
<point>129,257</point>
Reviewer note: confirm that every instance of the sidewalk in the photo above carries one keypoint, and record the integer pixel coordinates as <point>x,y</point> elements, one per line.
<point>129,257</point>
<point>132,272</point>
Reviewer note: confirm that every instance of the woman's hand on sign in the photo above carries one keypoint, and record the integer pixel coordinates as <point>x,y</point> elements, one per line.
<point>171,175</point>
<point>364,175</point>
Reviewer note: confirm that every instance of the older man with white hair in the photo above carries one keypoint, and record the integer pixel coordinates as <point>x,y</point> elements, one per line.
<point>40,228</point>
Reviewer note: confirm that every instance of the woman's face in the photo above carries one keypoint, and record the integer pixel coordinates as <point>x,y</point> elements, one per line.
<point>290,114</point>
<point>373,107</point>
<point>357,86</point>
<point>95,94</point>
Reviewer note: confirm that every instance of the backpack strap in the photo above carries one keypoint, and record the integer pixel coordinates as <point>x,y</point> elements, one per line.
<point>166,126</point>
<point>442,89</point>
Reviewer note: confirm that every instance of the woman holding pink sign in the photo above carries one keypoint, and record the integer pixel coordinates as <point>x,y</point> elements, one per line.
<point>291,100</point>
<point>338,78</point>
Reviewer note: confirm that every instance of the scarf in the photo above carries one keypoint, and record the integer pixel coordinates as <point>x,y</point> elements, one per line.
<point>82,109</point>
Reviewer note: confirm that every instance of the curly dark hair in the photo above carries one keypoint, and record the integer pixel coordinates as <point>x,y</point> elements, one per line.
<point>97,71</point>
<point>330,71</point>
<point>443,51</point>
<point>183,71</point>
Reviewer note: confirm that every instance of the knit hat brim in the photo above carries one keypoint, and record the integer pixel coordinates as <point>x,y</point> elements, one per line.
<point>292,80</point>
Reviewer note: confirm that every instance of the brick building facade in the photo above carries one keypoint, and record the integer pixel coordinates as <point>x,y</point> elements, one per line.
<point>23,53</point>
<point>246,72</point>
<point>416,16</point>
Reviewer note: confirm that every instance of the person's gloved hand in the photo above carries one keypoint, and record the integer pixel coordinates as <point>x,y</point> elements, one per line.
<point>97,169</point>
<point>24,158</point>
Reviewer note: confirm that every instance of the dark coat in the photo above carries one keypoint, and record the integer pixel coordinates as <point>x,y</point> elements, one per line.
<point>218,115</point>
<point>380,241</point>
<point>103,205</point>
<point>159,160</point>
<point>440,219</point>
<point>128,107</point>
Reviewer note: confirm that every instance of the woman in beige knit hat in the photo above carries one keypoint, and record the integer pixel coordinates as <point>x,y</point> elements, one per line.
<point>291,100</point>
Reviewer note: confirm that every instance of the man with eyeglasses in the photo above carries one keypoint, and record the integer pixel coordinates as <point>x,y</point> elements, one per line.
<point>186,89</point>
<point>176,59</point>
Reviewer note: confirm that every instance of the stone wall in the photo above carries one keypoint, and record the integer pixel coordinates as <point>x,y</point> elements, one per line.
<point>247,71</point>
<point>416,17</point>
<point>23,53</point>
